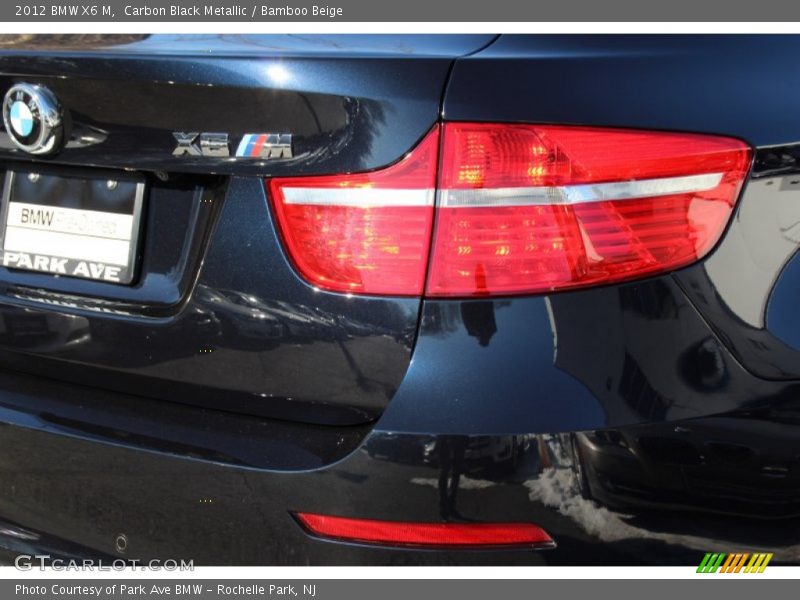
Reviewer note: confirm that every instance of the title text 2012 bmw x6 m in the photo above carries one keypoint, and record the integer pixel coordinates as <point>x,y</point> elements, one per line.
<point>400,299</point>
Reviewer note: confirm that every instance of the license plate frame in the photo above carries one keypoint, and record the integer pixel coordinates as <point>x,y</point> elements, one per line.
<point>117,226</point>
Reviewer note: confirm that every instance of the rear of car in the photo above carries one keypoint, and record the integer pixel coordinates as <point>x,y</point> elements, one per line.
<point>399,299</point>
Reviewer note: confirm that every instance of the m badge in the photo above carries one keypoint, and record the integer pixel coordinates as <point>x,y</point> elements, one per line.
<point>265,145</point>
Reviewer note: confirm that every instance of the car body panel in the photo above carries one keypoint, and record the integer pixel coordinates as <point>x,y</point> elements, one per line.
<point>218,316</point>
<point>222,504</point>
<point>671,82</point>
<point>125,101</point>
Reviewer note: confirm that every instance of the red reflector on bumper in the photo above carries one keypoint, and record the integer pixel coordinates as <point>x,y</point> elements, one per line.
<point>447,535</point>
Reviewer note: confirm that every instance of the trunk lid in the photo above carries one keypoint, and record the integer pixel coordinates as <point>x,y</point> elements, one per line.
<point>216,315</point>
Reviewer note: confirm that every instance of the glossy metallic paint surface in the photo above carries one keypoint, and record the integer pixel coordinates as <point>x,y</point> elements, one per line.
<point>748,289</point>
<point>344,115</point>
<point>611,356</point>
<point>247,335</point>
<point>651,494</point>
<point>218,316</point>
<point>672,82</point>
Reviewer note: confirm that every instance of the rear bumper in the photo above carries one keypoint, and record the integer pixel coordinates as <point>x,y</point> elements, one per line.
<point>74,486</point>
<point>222,494</point>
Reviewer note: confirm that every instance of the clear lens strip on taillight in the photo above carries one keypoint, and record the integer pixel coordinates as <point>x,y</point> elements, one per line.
<point>520,209</point>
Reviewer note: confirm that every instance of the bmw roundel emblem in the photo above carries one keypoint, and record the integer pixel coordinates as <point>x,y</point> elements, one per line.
<point>33,118</point>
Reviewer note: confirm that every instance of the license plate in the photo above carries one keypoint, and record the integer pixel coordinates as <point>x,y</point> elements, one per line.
<point>73,226</point>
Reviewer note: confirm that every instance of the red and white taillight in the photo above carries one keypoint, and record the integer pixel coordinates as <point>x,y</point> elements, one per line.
<point>367,233</point>
<point>519,209</point>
